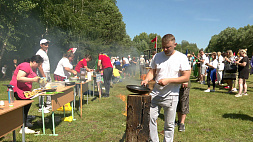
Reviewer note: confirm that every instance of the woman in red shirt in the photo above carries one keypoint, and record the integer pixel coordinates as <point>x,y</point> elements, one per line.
<point>22,79</point>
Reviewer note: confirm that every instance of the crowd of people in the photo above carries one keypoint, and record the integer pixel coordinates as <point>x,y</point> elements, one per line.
<point>222,68</point>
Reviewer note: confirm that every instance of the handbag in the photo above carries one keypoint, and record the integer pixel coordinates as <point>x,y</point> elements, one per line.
<point>230,68</point>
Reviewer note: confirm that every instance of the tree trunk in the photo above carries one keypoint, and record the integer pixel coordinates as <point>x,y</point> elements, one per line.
<point>138,112</point>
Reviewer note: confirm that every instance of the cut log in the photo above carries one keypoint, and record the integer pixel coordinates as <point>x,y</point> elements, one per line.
<point>138,116</point>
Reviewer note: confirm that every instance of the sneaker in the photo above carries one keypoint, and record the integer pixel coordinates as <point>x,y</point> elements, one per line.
<point>176,123</point>
<point>208,90</point>
<point>45,110</point>
<point>234,90</point>
<point>212,90</point>
<point>181,127</point>
<point>238,95</point>
<point>245,94</point>
<point>27,131</point>
<point>226,87</point>
<point>49,107</point>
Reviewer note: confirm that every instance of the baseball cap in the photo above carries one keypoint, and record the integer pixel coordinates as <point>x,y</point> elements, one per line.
<point>44,41</point>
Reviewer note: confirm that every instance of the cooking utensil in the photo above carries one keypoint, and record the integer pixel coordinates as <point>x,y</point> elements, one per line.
<point>53,92</point>
<point>69,83</point>
<point>138,89</point>
<point>48,90</point>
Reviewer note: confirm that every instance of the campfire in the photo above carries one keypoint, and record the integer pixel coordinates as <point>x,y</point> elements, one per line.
<point>123,98</point>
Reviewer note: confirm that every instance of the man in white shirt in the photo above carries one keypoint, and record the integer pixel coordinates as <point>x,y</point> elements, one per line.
<point>170,69</point>
<point>203,60</point>
<point>44,70</point>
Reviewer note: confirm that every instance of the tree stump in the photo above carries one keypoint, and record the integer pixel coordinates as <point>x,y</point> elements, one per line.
<point>138,116</point>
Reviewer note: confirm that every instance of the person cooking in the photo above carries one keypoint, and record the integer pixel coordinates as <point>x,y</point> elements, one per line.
<point>22,79</point>
<point>64,67</point>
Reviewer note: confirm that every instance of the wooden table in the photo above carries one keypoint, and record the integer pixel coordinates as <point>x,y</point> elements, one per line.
<point>12,118</point>
<point>57,101</point>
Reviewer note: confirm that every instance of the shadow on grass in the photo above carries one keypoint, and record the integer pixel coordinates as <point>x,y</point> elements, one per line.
<point>238,116</point>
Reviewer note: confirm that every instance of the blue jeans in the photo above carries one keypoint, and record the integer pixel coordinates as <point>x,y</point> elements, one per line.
<point>169,104</point>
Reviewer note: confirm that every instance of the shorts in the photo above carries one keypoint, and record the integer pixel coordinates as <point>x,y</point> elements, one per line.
<point>183,101</point>
<point>203,70</point>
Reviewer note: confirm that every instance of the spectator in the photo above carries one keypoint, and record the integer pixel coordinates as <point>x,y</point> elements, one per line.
<point>211,72</point>
<point>142,66</point>
<point>243,70</point>
<point>4,68</point>
<point>183,105</point>
<point>220,67</point>
<point>172,69</point>
<point>229,77</point>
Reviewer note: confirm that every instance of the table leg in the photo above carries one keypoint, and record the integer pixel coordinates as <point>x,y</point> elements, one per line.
<point>81,98</point>
<point>23,128</point>
<point>75,89</point>
<point>72,111</point>
<point>64,111</point>
<point>43,121</point>
<point>53,126</point>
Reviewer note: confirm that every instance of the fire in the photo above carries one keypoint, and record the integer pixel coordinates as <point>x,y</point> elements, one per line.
<point>123,98</point>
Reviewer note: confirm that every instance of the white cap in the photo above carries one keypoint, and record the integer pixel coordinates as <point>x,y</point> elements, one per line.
<point>44,41</point>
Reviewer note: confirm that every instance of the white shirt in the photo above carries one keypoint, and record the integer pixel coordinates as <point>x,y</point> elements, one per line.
<point>168,67</point>
<point>142,61</point>
<point>64,62</point>
<point>220,63</point>
<point>45,64</point>
<point>126,60</point>
<point>214,63</point>
<point>204,57</point>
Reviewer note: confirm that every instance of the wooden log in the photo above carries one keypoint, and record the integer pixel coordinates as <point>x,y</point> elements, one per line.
<point>138,116</point>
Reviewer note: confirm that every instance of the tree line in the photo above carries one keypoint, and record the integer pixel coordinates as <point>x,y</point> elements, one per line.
<point>233,39</point>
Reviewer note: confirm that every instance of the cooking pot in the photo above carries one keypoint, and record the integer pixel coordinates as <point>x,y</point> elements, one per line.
<point>138,89</point>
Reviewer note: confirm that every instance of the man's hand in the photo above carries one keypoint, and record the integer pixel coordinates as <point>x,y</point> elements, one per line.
<point>185,85</point>
<point>144,82</point>
<point>163,82</point>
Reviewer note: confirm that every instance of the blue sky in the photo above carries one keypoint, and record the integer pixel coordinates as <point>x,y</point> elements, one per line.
<point>193,20</point>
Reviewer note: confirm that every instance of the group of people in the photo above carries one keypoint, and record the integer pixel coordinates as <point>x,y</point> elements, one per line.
<point>220,68</point>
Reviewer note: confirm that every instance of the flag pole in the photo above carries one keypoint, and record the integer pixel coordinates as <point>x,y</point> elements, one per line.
<point>156,43</point>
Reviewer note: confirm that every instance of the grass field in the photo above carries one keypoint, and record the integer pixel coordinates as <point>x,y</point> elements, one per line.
<point>214,116</point>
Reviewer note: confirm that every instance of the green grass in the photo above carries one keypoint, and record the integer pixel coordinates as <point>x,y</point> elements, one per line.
<point>214,116</point>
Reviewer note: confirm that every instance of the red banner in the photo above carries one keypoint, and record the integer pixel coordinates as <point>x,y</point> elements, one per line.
<point>153,39</point>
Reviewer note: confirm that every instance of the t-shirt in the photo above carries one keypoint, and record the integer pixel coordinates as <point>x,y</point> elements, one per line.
<point>105,61</point>
<point>45,64</point>
<point>64,62</point>
<point>214,63</point>
<point>168,67</point>
<point>81,64</point>
<point>204,57</point>
<point>116,72</point>
<point>117,63</point>
<point>20,87</point>
<point>142,61</point>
